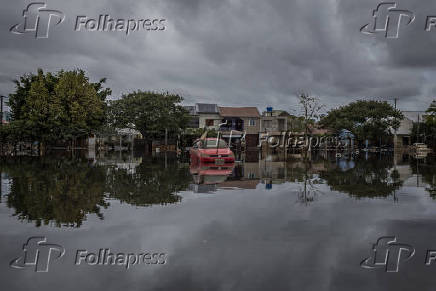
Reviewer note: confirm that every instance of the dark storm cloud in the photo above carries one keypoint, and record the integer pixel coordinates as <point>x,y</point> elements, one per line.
<point>236,52</point>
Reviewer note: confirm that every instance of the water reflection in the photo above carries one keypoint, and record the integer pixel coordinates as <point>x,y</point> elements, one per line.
<point>50,190</point>
<point>363,177</point>
<point>425,172</point>
<point>63,191</point>
<point>299,217</point>
<point>206,177</point>
<point>153,181</point>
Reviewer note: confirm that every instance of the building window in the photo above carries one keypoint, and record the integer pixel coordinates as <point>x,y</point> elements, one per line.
<point>252,122</point>
<point>209,122</point>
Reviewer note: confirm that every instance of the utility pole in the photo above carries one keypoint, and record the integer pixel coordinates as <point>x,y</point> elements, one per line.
<point>1,106</point>
<point>166,138</point>
<point>395,120</point>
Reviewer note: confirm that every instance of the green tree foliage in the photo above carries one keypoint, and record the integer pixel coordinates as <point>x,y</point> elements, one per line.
<point>297,123</point>
<point>369,178</point>
<point>430,118</point>
<point>367,119</point>
<point>49,107</point>
<point>423,132</point>
<point>149,112</point>
<point>426,131</point>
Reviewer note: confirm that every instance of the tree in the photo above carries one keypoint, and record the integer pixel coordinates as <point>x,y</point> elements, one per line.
<point>84,106</point>
<point>430,118</point>
<point>310,107</point>
<point>296,123</point>
<point>150,113</point>
<point>48,107</point>
<point>428,129</point>
<point>367,119</point>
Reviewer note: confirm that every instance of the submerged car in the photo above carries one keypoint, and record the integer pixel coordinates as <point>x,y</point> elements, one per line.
<point>211,151</point>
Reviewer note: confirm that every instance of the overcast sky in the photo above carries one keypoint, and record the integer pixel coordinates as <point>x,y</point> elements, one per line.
<point>235,52</point>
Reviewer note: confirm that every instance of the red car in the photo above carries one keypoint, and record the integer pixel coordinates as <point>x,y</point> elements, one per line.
<point>211,151</point>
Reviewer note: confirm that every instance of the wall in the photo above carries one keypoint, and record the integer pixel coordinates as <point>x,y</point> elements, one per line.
<point>204,116</point>
<point>251,129</point>
<point>274,124</point>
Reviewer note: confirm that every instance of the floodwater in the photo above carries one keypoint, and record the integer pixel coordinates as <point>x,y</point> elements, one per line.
<point>264,224</point>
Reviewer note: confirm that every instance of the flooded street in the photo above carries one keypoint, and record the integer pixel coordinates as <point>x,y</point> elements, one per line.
<point>263,224</point>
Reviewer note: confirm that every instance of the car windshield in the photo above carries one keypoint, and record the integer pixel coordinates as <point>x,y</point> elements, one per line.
<point>212,143</point>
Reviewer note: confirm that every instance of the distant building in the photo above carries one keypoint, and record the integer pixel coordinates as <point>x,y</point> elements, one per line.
<point>208,115</point>
<point>204,116</point>
<point>242,119</point>
<point>404,132</point>
<point>274,121</point>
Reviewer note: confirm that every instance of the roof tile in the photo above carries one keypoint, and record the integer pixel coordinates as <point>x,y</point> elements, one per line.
<point>239,112</point>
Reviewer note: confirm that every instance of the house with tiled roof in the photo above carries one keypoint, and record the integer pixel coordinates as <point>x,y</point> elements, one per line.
<point>242,119</point>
